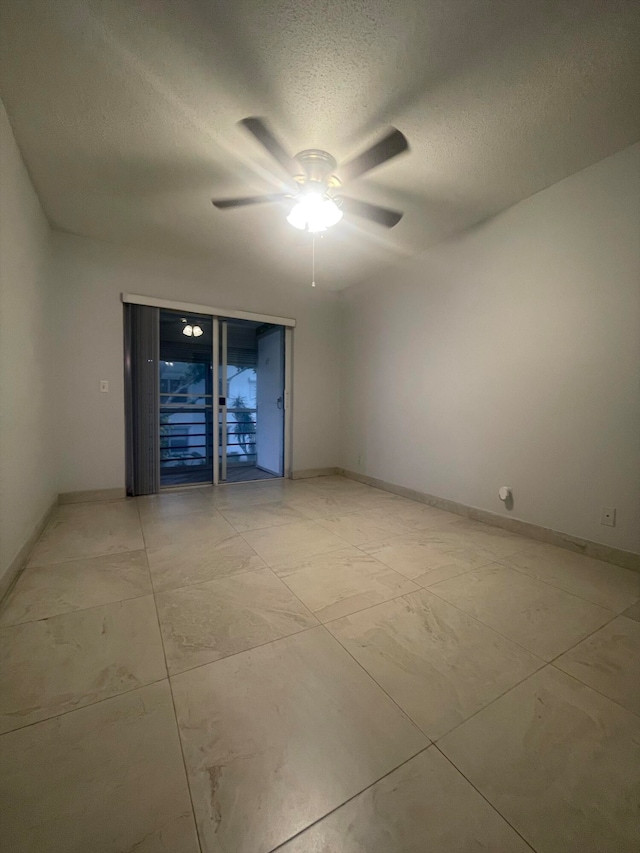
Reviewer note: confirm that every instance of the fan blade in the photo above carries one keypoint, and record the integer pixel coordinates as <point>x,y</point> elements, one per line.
<point>225,203</point>
<point>390,146</point>
<point>380,215</point>
<point>257,127</point>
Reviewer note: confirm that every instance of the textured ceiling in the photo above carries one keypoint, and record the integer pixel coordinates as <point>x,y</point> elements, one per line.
<point>126,110</point>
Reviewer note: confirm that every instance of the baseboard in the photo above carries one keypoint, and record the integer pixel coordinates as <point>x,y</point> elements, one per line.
<point>625,559</point>
<point>92,495</point>
<point>18,563</point>
<point>307,473</point>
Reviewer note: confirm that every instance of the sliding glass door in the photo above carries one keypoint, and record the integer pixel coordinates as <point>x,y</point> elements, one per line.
<point>205,398</point>
<point>186,399</point>
<point>251,400</point>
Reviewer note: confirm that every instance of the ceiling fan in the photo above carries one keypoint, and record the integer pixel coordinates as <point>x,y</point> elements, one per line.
<point>318,204</point>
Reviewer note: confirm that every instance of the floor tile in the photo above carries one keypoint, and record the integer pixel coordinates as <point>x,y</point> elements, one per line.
<point>276,737</point>
<point>285,490</point>
<point>416,516</point>
<point>106,779</point>
<point>542,618</point>
<point>231,495</point>
<point>437,663</point>
<point>367,525</point>
<point>609,661</point>
<point>199,560</point>
<point>336,483</point>
<point>604,584</point>
<point>44,591</point>
<point>429,556</point>
<point>341,582</point>
<point>57,664</point>
<point>290,543</point>
<point>203,623</point>
<point>185,529</point>
<point>89,530</point>
<point>256,516</point>
<point>369,498</point>
<point>495,542</point>
<point>166,504</point>
<point>633,612</point>
<point>415,809</point>
<point>559,761</point>
<point>320,503</point>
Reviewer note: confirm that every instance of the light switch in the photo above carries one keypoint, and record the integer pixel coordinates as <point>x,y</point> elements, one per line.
<point>104,385</point>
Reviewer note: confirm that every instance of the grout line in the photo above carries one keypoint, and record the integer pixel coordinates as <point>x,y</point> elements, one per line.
<point>245,651</point>
<point>85,557</point>
<point>488,801</point>
<point>210,580</point>
<point>184,763</point>
<point>485,624</point>
<point>495,699</point>
<point>545,664</point>
<point>87,705</point>
<point>266,526</point>
<point>582,639</point>
<point>301,559</point>
<point>322,625</point>
<point>349,799</point>
<point>173,701</point>
<point>370,606</point>
<point>76,610</point>
<point>377,683</point>
<point>595,689</point>
<point>561,588</point>
<point>506,637</point>
<point>419,588</point>
<point>542,662</point>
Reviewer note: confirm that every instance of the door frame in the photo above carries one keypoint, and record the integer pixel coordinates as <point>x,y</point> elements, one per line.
<point>222,314</point>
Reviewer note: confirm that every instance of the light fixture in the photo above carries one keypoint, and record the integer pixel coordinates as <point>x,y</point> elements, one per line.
<point>191,330</point>
<point>314,212</point>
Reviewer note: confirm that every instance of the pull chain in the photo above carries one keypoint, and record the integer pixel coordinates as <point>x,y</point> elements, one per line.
<point>313,261</point>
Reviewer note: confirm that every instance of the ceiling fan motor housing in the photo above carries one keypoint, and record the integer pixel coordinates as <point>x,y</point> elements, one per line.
<point>319,167</point>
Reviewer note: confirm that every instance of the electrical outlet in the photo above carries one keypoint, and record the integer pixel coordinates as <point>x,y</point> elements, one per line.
<point>104,385</point>
<point>608,516</point>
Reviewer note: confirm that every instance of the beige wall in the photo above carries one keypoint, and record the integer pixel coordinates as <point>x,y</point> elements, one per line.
<point>88,279</point>
<point>27,442</point>
<point>511,356</point>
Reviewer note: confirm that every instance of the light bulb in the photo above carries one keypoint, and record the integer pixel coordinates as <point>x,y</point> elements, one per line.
<point>187,330</point>
<point>297,217</point>
<point>314,213</point>
<point>331,213</point>
<point>197,331</point>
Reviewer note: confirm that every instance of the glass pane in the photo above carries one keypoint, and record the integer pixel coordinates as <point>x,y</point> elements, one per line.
<point>186,402</point>
<point>241,414</point>
<point>183,382</point>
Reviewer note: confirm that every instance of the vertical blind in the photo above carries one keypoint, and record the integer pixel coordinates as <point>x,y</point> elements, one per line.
<point>141,355</point>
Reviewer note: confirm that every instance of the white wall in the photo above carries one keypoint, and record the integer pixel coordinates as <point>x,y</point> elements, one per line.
<point>27,442</point>
<point>511,356</point>
<point>89,277</point>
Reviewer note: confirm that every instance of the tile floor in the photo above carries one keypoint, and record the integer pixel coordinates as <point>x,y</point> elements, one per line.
<point>314,667</point>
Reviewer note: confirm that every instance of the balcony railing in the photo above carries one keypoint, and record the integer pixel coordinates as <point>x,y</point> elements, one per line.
<point>186,438</point>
